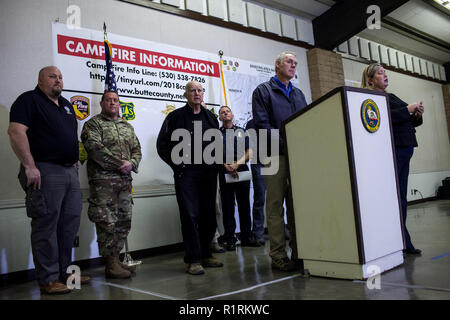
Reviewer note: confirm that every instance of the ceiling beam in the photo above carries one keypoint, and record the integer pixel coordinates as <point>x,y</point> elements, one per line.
<point>282,8</point>
<point>438,6</point>
<point>414,33</point>
<point>346,19</point>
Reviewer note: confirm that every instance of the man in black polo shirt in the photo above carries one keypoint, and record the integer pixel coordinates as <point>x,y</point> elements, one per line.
<point>43,134</point>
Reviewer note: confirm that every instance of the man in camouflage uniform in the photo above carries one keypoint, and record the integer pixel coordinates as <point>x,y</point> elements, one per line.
<point>113,152</point>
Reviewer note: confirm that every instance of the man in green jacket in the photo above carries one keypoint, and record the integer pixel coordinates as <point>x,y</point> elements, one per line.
<point>113,152</point>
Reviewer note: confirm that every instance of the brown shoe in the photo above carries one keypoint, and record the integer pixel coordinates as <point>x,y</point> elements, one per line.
<point>284,264</point>
<point>211,263</point>
<point>83,279</point>
<point>54,287</point>
<point>114,270</point>
<point>127,267</point>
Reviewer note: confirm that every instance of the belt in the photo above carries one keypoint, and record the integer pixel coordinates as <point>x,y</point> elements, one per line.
<point>67,164</point>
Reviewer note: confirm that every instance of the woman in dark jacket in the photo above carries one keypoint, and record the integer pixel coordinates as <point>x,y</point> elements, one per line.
<point>404,118</point>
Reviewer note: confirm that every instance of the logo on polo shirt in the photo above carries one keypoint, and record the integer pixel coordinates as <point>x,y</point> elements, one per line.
<point>370,115</point>
<point>80,105</point>
<point>127,108</point>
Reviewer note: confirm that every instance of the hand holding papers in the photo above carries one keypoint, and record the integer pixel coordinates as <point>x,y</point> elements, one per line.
<point>240,176</point>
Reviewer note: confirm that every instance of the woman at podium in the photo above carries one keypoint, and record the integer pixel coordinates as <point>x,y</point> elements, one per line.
<point>405,117</point>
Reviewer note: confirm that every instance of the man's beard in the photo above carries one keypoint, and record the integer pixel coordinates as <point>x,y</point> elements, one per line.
<point>56,92</point>
<point>111,114</point>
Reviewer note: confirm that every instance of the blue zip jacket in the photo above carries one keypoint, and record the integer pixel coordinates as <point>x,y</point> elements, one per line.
<point>270,106</point>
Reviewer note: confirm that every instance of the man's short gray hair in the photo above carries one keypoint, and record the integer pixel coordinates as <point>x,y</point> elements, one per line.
<point>281,57</point>
<point>224,107</point>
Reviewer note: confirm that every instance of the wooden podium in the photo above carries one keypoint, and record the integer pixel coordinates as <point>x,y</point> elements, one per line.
<point>344,185</point>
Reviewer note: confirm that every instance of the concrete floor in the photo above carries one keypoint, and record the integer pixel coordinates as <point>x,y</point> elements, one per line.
<point>247,274</point>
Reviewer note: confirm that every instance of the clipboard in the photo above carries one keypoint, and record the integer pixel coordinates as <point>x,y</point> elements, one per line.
<point>242,176</point>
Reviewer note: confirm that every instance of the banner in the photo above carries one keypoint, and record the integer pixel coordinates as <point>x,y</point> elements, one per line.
<point>151,79</point>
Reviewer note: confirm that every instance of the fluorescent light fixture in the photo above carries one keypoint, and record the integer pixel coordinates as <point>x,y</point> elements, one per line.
<point>444,3</point>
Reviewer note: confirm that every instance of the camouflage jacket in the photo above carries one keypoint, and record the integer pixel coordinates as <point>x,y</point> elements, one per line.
<point>107,143</point>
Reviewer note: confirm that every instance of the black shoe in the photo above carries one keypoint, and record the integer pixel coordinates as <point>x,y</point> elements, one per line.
<point>221,240</point>
<point>249,243</point>
<point>217,248</point>
<point>301,267</point>
<point>260,240</point>
<point>413,251</point>
<point>231,246</point>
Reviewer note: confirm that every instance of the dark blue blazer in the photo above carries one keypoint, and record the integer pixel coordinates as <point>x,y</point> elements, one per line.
<point>403,123</point>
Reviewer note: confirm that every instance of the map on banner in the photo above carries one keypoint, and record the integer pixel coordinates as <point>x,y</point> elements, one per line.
<point>151,79</point>
<point>242,77</point>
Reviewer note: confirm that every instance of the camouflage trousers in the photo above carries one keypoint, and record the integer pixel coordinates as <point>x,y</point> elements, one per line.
<point>110,204</point>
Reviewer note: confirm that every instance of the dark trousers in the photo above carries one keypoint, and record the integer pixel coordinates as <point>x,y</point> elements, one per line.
<point>403,157</point>
<point>259,197</point>
<point>196,197</point>
<point>55,211</point>
<point>229,193</point>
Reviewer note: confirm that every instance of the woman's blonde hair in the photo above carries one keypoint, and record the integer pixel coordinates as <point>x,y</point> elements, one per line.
<point>368,73</point>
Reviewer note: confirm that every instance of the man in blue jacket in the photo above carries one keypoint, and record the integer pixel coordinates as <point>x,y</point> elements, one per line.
<point>272,102</point>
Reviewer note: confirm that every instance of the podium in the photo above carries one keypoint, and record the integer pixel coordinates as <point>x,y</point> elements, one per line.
<point>344,186</point>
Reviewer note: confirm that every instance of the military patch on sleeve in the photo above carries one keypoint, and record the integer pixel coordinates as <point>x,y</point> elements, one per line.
<point>370,115</point>
<point>82,153</point>
<point>80,106</point>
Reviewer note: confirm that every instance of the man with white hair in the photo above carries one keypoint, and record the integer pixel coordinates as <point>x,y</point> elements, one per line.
<point>195,183</point>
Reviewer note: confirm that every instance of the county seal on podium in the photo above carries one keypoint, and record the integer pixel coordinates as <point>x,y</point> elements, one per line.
<point>370,115</point>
